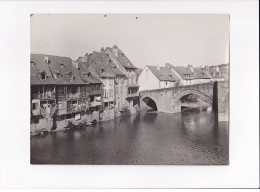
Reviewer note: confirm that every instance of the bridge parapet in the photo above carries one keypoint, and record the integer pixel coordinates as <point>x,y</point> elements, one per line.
<point>206,88</point>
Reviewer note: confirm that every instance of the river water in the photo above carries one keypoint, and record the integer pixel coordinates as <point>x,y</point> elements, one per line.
<point>187,138</point>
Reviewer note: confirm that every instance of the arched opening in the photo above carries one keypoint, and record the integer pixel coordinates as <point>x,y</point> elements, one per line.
<point>194,102</point>
<point>150,104</point>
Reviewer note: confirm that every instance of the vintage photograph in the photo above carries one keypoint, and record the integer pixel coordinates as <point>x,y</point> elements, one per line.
<point>113,89</point>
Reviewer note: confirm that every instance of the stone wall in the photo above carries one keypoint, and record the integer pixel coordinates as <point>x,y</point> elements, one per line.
<point>167,99</point>
<point>223,100</point>
<point>108,114</point>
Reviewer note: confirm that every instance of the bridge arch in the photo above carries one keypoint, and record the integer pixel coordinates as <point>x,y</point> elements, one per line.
<point>195,92</point>
<point>150,101</point>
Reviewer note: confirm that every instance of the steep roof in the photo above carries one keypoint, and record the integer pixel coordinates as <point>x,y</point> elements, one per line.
<point>98,64</point>
<point>85,73</point>
<point>56,64</point>
<point>122,58</point>
<point>103,65</point>
<point>162,73</point>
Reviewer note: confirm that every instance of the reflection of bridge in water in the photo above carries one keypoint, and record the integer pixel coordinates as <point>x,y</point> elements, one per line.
<point>214,95</point>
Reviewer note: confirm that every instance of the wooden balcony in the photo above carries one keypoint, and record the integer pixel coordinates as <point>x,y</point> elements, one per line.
<point>95,92</point>
<point>49,95</point>
<point>73,96</point>
<point>76,108</point>
<point>95,103</point>
<point>133,95</point>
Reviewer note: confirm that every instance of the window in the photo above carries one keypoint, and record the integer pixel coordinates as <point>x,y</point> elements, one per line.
<point>106,104</point>
<point>147,74</point>
<point>43,75</point>
<point>111,93</point>
<point>166,82</point>
<point>57,75</point>
<point>91,98</point>
<point>71,78</point>
<point>34,106</point>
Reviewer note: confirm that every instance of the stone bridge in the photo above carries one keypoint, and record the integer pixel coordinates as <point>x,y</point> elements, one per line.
<point>215,95</point>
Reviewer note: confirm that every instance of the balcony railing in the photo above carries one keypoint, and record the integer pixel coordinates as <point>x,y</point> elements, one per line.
<point>49,95</point>
<point>76,108</point>
<point>95,92</point>
<point>133,95</point>
<point>72,96</point>
<point>95,103</point>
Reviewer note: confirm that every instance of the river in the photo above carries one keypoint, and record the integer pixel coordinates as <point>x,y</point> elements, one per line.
<point>145,138</point>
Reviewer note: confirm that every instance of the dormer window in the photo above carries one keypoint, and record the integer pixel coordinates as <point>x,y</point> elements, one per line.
<point>43,75</point>
<point>62,65</point>
<point>57,75</point>
<point>71,77</point>
<point>32,63</point>
<point>102,70</point>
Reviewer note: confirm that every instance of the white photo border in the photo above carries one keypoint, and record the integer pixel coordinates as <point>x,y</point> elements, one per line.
<point>15,168</point>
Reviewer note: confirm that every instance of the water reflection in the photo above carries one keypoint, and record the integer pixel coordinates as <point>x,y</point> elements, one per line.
<point>143,138</point>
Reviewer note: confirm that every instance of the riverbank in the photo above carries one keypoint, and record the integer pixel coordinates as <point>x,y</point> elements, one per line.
<point>41,126</point>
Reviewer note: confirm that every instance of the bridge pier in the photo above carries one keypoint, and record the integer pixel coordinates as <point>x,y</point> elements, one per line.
<point>221,101</point>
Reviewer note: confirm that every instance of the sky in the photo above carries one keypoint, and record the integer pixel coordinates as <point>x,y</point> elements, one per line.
<point>181,40</point>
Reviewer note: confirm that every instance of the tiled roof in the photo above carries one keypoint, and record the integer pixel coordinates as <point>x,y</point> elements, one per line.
<point>103,65</point>
<point>122,58</point>
<point>163,73</point>
<point>188,74</point>
<point>56,64</point>
<point>200,74</point>
<point>86,75</point>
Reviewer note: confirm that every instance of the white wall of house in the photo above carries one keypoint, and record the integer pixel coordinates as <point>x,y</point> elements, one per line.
<point>147,80</point>
<point>198,81</point>
<point>166,84</point>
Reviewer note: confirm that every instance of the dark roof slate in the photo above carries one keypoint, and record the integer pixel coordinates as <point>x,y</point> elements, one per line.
<point>53,66</point>
<point>162,73</point>
<point>122,58</point>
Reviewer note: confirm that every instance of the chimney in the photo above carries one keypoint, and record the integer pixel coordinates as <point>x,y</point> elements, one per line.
<point>115,50</point>
<point>102,50</point>
<point>217,68</point>
<point>46,59</point>
<point>191,68</point>
<point>206,68</point>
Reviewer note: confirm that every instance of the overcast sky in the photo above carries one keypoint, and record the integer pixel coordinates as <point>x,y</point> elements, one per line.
<point>145,39</point>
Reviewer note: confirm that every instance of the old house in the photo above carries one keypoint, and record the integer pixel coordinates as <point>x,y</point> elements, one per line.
<point>58,93</point>
<point>155,77</point>
<point>219,72</point>
<point>189,75</point>
<point>130,87</point>
<point>97,63</point>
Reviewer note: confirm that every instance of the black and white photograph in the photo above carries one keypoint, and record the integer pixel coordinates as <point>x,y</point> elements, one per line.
<point>129,89</point>
<point>129,94</point>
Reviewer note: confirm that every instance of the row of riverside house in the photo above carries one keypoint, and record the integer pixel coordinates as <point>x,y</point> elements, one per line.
<point>97,87</point>
<point>155,77</point>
